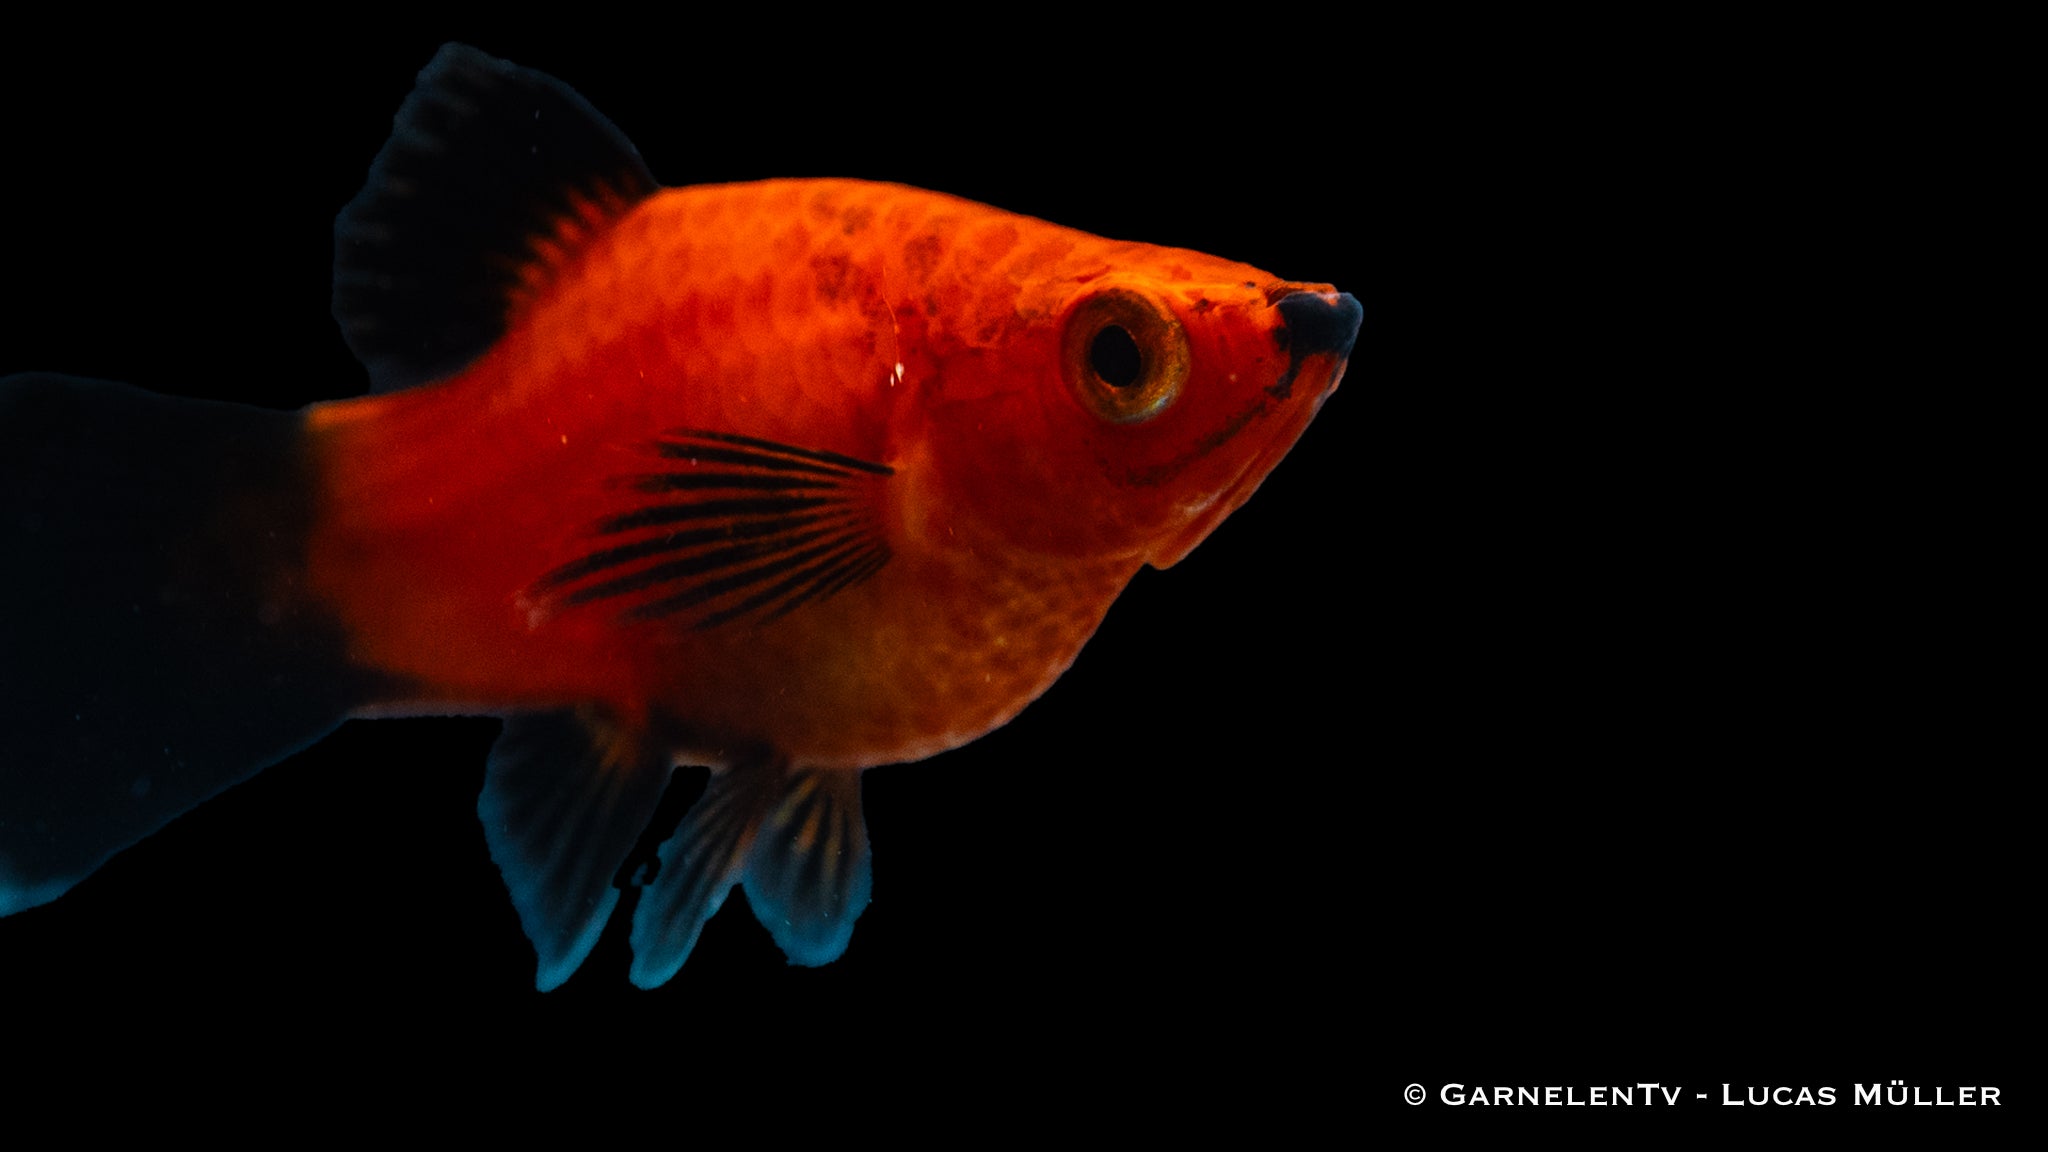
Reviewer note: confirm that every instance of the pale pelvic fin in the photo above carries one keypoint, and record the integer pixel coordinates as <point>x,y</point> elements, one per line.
<point>566,797</point>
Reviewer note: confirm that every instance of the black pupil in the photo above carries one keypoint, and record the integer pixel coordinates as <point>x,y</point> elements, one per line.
<point>1114,356</point>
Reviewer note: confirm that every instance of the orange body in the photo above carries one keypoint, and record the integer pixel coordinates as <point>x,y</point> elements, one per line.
<point>786,479</point>
<point>882,323</point>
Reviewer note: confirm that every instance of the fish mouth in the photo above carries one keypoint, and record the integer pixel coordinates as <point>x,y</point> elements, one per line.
<point>1317,322</point>
<point>1321,327</point>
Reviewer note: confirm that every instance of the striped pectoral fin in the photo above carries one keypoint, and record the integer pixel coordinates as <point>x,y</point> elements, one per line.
<point>731,528</point>
<point>566,797</point>
<point>796,838</point>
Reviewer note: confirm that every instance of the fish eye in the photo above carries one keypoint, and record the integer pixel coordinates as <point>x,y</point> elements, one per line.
<point>1124,355</point>
<point>1115,357</point>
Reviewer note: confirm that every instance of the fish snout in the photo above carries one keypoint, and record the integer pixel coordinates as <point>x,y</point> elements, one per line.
<point>1316,320</point>
<point>1320,321</point>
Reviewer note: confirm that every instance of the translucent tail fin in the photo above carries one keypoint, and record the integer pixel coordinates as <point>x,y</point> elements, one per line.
<point>155,647</point>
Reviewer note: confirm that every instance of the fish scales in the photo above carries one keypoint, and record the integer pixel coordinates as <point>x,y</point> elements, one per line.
<point>768,340</point>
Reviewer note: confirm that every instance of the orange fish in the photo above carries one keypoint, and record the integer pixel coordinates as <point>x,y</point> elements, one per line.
<point>787,479</point>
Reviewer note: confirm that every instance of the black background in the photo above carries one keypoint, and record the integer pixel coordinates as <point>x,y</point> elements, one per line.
<point>1583,701</point>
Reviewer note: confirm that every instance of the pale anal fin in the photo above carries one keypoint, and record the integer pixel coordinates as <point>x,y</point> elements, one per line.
<point>809,876</point>
<point>795,837</point>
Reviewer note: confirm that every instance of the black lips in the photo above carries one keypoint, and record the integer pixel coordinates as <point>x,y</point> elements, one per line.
<point>1316,324</point>
<point>1313,324</point>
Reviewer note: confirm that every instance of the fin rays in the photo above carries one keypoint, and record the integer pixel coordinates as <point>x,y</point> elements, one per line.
<point>565,797</point>
<point>743,528</point>
<point>494,175</point>
<point>699,866</point>
<point>795,838</point>
<point>809,877</point>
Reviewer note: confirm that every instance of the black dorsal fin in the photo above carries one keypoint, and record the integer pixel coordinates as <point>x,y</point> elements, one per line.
<point>485,159</point>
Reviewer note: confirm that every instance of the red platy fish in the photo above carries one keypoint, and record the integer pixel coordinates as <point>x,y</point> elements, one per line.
<point>787,479</point>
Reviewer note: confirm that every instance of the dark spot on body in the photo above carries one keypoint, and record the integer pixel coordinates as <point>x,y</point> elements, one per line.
<point>856,219</point>
<point>831,270</point>
<point>921,256</point>
<point>1203,305</point>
